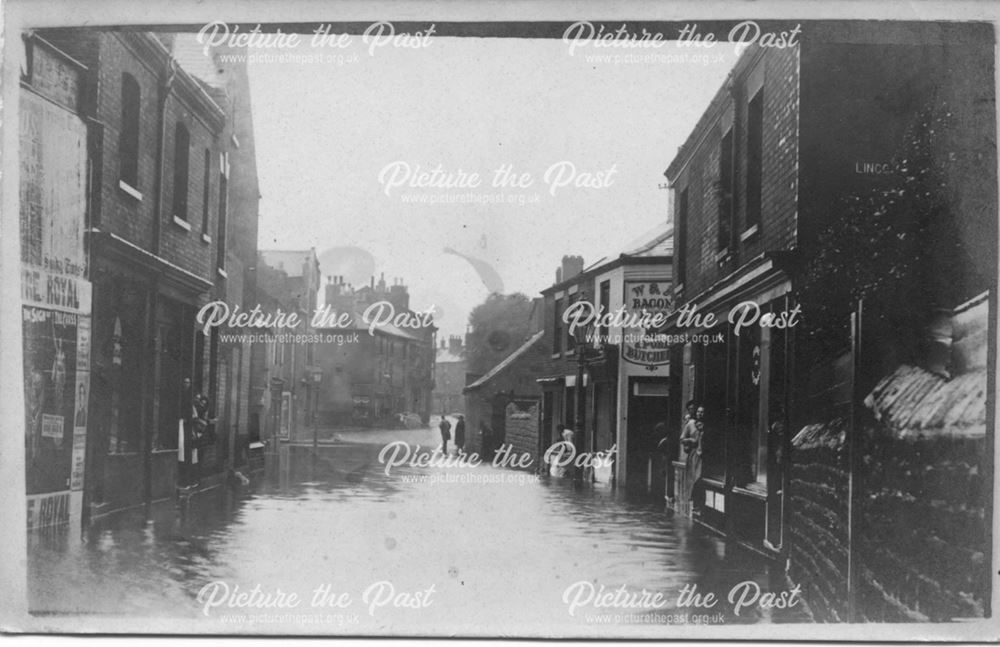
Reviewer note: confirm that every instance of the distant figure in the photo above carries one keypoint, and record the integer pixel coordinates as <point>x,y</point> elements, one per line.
<point>562,453</point>
<point>486,440</point>
<point>445,428</point>
<point>460,434</point>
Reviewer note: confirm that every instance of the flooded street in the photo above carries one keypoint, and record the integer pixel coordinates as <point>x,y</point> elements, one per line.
<point>481,551</point>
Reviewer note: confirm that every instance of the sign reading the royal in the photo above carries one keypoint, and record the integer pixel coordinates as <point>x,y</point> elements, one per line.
<point>641,346</point>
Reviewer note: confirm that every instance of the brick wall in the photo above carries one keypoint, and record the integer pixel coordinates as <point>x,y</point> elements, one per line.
<point>924,529</point>
<point>522,429</point>
<point>817,523</point>
<point>697,169</point>
<point>110,55</point>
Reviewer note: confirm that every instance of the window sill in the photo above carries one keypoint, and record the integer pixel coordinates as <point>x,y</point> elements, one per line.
<point>183,224</point>
<point>222,272</point>
<point>748,234</point>
<point>721,255</point>
<point>678,289</point>
<point>205,238</point>
<point>752,490</point>
<point>130,190</point>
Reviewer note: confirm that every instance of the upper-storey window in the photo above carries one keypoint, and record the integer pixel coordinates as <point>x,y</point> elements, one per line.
<point>682,228</point>
<point>182,146</point>
<point>206,185</point>
<point>755,157</point>
<point>557,326</point>
<point>128,136</point>
<point>725,189</point>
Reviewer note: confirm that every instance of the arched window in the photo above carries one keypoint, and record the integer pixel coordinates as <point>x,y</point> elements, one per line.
<point>128,138</point>
<point>182,147</point>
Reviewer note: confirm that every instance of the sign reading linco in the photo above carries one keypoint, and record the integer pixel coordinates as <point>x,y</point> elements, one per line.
<point>640,346</point>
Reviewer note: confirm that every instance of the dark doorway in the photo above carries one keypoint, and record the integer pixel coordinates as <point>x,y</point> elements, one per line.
<point>647,407</point>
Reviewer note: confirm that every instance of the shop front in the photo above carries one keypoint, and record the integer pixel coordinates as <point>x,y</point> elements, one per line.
<point>737,373</point>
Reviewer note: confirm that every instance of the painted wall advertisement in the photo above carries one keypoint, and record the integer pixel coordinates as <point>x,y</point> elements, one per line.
<point>640,346</point>
<point>55,307</point>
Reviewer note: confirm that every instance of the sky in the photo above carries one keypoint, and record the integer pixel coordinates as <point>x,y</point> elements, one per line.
<point>335,136</point>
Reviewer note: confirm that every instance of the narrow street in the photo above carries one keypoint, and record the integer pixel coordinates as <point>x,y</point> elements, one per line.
<point>337,519</point>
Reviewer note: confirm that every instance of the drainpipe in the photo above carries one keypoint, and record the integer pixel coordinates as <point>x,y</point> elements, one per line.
<point>153,300</point>
<point>160,148</point>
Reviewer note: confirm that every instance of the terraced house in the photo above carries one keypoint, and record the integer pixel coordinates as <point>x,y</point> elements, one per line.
<point>170,223</point>
<point>833,209</point>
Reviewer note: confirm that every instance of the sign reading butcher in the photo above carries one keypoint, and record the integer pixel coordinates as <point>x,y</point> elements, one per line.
<point>640,346</point>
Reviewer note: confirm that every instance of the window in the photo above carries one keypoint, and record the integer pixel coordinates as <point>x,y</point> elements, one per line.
<point>128,136</point>
<point>605,298</point>
<point>725,189</point>
<point>182,144</point>
<point>207,181</point>
<point>682,218</point>
<point>755,157</point>
<point>570,339</point>
<point>557,328</point>
<point>220,261</point>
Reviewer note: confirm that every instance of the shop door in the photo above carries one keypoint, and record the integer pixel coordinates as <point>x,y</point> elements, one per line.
<point>647,407</point>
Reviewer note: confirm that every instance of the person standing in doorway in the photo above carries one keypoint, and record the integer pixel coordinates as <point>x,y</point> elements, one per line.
<point>460,434</point>
<point>445,428</point>
<point>691,438</point>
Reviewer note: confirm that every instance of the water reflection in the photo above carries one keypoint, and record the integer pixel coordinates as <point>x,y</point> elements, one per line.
<point>499,555</point>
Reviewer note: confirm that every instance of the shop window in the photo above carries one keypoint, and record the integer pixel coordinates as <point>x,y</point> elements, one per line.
<point>714,375</point>
<point>569,415</point>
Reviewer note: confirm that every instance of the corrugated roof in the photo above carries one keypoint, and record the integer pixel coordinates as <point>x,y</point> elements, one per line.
<point>499,368</point>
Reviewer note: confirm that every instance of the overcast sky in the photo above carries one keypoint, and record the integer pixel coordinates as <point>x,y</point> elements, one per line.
<point>326,131</point>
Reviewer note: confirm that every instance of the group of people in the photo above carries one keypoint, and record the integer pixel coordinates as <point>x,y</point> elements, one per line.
<point>445,428</point>
<point>196,429</point>
<point>692,435</point>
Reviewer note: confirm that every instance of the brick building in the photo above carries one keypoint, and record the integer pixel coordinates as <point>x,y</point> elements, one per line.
<point>289,279</point>
<point>503,406</point>
<point>449,376</point>
<point>55,307</point>
<point>381,374</point>
<point>625,390</point>
<point>159,149</point>
<point>800,148</point>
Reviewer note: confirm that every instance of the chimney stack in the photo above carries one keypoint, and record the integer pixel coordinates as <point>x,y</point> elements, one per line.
<point>571,266</point>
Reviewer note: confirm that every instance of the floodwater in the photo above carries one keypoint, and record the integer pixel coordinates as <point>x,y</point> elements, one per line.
<point>434,550</point>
